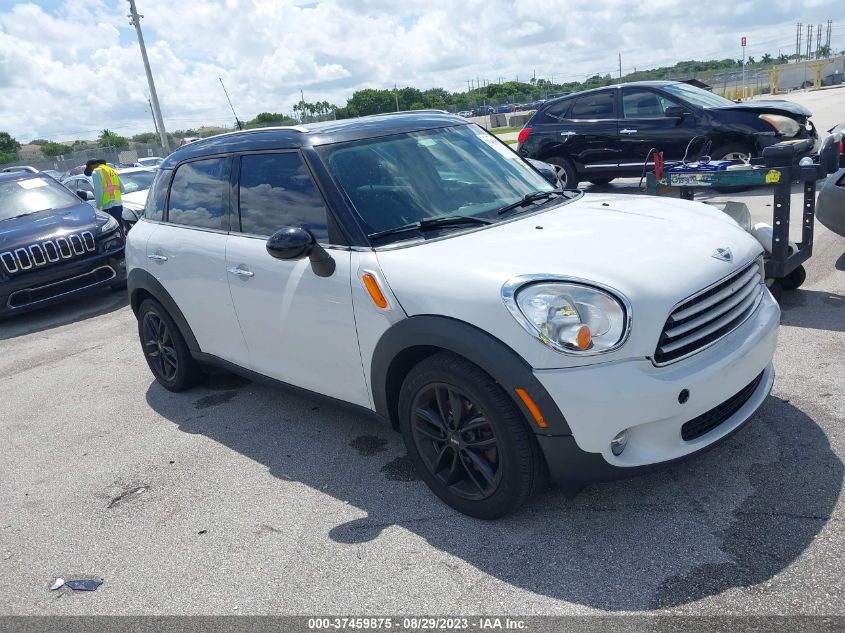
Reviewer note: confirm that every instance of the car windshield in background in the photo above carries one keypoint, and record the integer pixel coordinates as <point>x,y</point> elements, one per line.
<point>136,180</point>
<point>697,96</point>
<point>22,197</point>
<point>450,172</point>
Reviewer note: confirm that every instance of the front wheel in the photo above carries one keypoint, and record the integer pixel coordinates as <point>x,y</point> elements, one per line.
<point>467,439</point>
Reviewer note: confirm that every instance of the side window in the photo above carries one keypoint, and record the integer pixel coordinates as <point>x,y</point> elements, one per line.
<point>644,104</point>
<point>597,105</point>
<point>154,209</point>
<point>557,111</point>
<point>276,190</point>
<point>199,195</point>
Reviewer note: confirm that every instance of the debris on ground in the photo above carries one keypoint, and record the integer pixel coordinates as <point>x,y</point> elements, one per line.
<point>57,584</point>
<point>83,584</point>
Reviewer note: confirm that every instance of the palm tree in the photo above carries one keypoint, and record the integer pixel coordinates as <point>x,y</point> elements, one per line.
<point>766,58</point>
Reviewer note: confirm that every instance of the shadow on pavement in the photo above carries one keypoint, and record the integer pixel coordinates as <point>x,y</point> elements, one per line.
<point>813,309</point>
<point>840,263</point>
<point>79,309</point>
<point>735,517</point>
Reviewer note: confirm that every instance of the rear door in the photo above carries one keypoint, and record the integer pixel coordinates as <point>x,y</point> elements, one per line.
<point>187,254</point>
<point>644,125</point>
<point>589,134</point>
<point>299,328</point>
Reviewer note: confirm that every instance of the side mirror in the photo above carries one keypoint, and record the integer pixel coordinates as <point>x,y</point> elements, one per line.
<point>546,171</point>
<point>86,196</point>
<point>295,242</point>
<point>129,215</point>
<point>676,112</point>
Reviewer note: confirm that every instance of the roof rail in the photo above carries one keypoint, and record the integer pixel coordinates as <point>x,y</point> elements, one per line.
<point>424,111</point>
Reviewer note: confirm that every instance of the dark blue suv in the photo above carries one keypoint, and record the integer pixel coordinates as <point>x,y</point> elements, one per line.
<point>53,246</point>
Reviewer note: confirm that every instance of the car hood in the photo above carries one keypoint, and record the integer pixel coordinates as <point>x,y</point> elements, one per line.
<point>44,225</point>
<point>654,251</point>
<point>136,199</point>
<point>775,106</point>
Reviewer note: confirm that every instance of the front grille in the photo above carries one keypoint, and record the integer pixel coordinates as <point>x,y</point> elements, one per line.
<point>708,421</point>
<point>48,252</point>
<point>709,315</point>
<point>29,296</point>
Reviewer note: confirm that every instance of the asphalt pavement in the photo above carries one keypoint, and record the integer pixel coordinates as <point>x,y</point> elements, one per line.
<point>235,498</point>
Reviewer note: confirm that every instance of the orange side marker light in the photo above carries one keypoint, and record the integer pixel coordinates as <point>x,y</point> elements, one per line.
<point>375,292</point>
<point>532,407</point>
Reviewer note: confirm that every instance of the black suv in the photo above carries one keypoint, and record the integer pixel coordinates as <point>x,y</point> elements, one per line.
<point>607,133</point>
<point>52,244</point>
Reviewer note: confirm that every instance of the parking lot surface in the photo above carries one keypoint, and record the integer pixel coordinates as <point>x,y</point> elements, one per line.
<point>235,498</point>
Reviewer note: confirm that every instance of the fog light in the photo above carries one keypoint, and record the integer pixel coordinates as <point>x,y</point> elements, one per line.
<point>618,443</point>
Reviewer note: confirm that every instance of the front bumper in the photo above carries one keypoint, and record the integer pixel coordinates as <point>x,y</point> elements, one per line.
<point>602,400</point>
<point>62,281</point>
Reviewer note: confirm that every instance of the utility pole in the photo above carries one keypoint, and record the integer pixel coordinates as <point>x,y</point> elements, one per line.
<point>829,33</point>
<point>396,94</point>
<point>155,123</point>
<point>809,40</point>
<point>798,41</point>
<point>620,66</point>
<point>818,40</point>
<point>743,67</point>
<point>135,20</point>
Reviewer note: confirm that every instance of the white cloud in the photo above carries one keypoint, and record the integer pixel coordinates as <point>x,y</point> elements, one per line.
<point>69,69</point>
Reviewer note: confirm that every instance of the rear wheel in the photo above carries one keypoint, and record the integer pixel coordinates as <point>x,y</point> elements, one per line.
<point>601,181</point>
<point>467,439</point>
<point>165,350</point>
<point>565,171</point>
<point>794,279</point>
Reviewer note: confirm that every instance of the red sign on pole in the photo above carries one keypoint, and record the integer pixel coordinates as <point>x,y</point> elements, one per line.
<point>743,41</point>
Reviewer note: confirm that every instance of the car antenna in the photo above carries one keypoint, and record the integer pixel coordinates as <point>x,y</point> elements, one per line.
<point>237,120</point>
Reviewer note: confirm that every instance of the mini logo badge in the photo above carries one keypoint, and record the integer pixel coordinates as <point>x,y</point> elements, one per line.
<point>724,254</point>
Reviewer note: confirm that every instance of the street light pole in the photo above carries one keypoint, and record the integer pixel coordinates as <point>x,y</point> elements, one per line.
<point>135,20</point>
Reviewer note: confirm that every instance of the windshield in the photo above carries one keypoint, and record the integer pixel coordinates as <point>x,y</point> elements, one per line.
<point>136,180</point>
<point>697,96</point>
<point>21,197</point>
<point>452,172</point>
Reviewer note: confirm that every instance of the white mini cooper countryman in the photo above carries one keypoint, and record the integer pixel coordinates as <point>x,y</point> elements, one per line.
<point>417,268</point>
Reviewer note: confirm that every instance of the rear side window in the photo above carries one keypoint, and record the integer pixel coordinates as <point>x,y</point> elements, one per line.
<point>199,195</point>
<point>276,190</point>
<point>154,209</point>
<point>598,105</point>
<point>557,111</point>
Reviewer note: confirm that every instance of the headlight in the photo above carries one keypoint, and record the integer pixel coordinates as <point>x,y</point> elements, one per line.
<point>110,225</point>
<point>569,317</point>
<point>783,124</point>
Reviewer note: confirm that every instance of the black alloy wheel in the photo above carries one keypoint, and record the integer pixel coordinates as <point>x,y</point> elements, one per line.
<point>467,439</point>
<point>456,441</point>
<point>159,348</point>
<point>165,349</point>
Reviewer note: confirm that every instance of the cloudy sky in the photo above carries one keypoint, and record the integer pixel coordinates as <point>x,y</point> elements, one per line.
<point>69,69</point>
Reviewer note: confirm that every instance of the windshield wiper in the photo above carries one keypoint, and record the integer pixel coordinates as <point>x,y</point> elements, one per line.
<point>529,198</point>
<point>432,223</point>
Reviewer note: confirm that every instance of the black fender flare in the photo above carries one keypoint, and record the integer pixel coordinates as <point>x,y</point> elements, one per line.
<point>140,284</point>
<point>410,340</point>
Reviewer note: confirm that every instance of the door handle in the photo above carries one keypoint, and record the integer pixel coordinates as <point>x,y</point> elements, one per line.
<point>627,131</point>
<point>568,133</point>
<point>241,272</point>
<point>157,257</point>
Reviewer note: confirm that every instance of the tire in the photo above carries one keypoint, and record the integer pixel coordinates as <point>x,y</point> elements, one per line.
<point>601,181</point>
<point>176,369</point>
<point>794,279</point>
<point>776,288</point>
<point>565,171</point>
<point>731,151</point>
<point>490,468</point>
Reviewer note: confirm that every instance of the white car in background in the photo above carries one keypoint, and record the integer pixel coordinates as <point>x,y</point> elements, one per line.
<point>150,161</point>
<point>136,184</point>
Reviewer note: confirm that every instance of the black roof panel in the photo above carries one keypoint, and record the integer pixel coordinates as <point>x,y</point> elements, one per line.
<point>311,134</point>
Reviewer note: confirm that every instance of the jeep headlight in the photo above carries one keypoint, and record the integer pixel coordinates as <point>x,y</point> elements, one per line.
<point>109,225</point>
<point>570,317</point>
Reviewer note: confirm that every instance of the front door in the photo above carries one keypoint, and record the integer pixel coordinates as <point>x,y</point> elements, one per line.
<point>644,125</point>
<point>299,328</point>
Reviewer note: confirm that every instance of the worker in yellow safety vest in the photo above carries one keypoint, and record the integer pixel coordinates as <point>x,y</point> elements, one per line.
<point>107,188</point>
